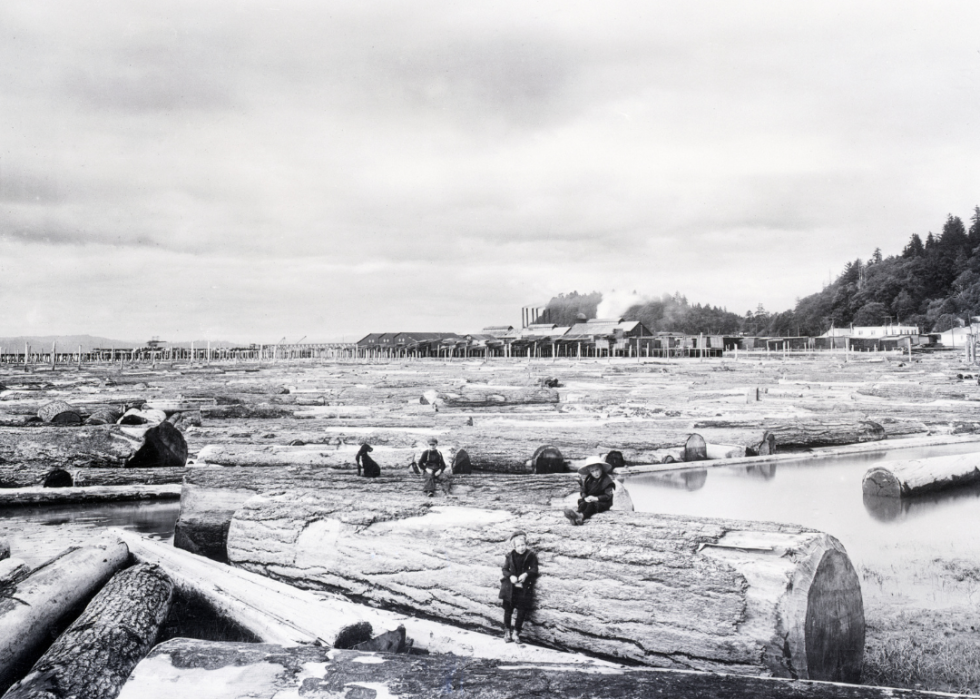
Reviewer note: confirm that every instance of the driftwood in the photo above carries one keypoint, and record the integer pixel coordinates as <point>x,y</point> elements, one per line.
<point>677,592</point>
<point>211,496</point>
<point>48,600</point>
<point>95,655</point>
<point>898,479</point>
<point>187,668</point>
<point>273,612</point>
<point>109,446</point>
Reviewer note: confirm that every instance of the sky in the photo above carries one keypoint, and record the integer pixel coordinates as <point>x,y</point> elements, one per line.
<point>251,170</point>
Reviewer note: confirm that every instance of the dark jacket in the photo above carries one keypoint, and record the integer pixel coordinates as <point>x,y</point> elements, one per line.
<point>432,458</point>
<point>516,564</point>
<point>601,487</point>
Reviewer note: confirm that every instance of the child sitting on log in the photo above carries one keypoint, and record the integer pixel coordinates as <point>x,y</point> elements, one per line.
<point>366,463</point>
<point>596,490</point>
<point>431,464</point>
<point>517,586</point>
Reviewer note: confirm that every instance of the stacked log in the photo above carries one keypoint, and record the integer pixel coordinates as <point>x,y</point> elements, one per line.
<point>48,600</point>
<point>107,446</point>
<point>96,654</point>
<point>901,479</point>
<point>183,667</point>
<point>675,592</point>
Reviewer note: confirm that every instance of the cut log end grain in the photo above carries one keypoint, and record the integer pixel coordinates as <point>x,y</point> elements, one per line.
<point>163,445</point>
<point>920,476</point>
<point>880,482</point>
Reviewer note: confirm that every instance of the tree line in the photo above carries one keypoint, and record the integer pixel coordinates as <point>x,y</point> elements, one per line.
<point>933,284</point>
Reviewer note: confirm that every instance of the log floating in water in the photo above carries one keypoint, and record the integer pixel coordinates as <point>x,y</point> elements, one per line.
<point>210,497</point>
<point>898,479</point>
<point>109,446</point>
<point>48,599</point>
<point>799,434</point>
<point>95,655</point>
<point>194,669</point>
<point>274,612</point>
<point>680,592</point>
<point>484,397</point>
<point>111,493</point>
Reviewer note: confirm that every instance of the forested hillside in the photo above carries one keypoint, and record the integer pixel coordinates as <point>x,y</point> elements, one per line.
<point>934,283</point>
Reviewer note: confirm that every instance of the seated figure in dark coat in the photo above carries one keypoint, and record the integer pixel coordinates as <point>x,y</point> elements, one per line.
<point>596,490</point>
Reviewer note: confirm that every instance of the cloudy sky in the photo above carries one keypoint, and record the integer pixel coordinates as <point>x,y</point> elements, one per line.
<point>252,170</point>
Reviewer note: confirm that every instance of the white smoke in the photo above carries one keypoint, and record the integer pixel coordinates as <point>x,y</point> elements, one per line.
<point>615,303</point>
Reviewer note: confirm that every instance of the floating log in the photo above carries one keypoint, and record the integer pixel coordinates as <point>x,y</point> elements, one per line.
<point>274,612</point>
<point>798,434</point>
<point>679,592</point>
<point>899,479</point>
<point>210,497</point>
<point>10,497</point>
<point>490,397</point>
<point>194,669</point>
<point>109,446</point>
<point>30,476</point>
<point>48,600</point>
<point>96,654</point>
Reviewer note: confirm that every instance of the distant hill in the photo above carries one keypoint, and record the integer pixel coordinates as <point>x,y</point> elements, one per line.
<point>70,343</point>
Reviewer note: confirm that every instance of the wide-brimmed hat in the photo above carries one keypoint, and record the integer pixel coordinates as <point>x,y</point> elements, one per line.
<point>594,461</point>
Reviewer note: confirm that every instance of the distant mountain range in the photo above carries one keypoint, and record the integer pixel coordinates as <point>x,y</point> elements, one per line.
<point>70,343</point>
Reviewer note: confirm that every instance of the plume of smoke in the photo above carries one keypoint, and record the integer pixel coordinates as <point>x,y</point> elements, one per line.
<point>615,303</point>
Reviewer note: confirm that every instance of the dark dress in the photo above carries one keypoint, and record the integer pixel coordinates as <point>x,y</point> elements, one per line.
<point>602,488</point>
<point>514,597</point>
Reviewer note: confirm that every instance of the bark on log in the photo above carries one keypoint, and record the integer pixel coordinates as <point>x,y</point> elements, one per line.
<point>11,497</point>
<point>274,612</point>
<point>194,669</point>
<point>12,571</point>
<point>899,479</point>
<point>96,654</point>
<point>210,497</point>
<point>105,415</point>
<point>258,411</point>
<point>48,599</point>
<point>59,412</point>
<point>677,592</point>
<point>30,476</point>
<point>801,433</point>
<point>107,446</point>
<point>484,397</point>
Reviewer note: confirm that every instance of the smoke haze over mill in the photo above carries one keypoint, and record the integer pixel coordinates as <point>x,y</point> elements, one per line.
<point>248,172</point>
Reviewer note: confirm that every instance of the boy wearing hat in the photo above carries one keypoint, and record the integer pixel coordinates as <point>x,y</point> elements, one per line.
<point>516,587</point>
<point>432,464</point>
<point>596,492</point>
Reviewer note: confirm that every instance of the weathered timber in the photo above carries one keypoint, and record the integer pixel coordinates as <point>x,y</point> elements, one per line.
<point>898,479</point>
<point>29,476</point>
<point>485,397</point>
<point>194,669</point>
<point>210,496</point>
<point>109,446</point>
<point>58,412</point>
<point>10,497</point>
<point>12,571</point>
<point>95,655</point>
<point>803,433</point>
<point>4,549</point>
<point>263,411</point>
<point>668,591</point>
<point>104,415</point>
<point>274,612</point>
<point>48,600</point>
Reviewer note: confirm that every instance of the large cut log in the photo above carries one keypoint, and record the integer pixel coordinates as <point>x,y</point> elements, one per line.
<point>109,446</point>
<point>28,476</point>
<point>898,479</point>
<point>210,497</point>
<point>95,655</point>
<point>193,669</point>
<point>483,397</point>
<point>669,591</point>
<point>58,412</point>
<point>48,600</point>
<point>274,612</point>
<point>10,497</point>
<point>797,434</point>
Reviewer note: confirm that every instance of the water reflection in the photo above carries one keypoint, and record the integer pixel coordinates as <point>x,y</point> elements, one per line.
<point>685,480</point>
<point>891,509</point>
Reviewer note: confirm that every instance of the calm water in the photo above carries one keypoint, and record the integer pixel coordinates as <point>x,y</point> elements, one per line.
<point>38,533</point>
<point>888,536</point>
